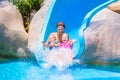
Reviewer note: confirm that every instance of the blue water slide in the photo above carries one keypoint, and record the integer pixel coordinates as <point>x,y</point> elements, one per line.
<point>76,14</point>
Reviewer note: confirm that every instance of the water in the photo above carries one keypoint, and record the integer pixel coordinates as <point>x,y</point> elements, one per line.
<point>29,71</point>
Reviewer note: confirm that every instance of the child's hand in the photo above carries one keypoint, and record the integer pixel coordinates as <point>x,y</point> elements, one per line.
<point>74,40</point>
<point>42,42</point>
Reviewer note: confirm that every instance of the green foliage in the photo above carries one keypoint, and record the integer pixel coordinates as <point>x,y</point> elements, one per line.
<point>25,7</point>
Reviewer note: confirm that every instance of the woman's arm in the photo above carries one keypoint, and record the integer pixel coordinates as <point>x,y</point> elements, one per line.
<point>45,44</point>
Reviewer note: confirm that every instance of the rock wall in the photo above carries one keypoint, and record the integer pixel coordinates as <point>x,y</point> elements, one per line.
<point>115,6</point>
<point>13,38</point>
<point>36,26</point>
<point>102,41</point>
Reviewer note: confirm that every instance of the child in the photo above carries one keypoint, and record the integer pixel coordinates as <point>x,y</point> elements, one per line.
<point>51,43</point>
<point>66,43</point>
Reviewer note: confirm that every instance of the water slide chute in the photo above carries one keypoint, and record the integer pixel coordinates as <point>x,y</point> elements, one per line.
<point>76,15</point>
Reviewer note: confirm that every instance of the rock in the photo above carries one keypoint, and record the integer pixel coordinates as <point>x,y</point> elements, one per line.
<point>21,52</point>
<point>12,33</point>
<point>36,26</point>
<point>102,41</point>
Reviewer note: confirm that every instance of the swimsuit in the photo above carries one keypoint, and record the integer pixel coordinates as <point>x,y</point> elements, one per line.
<point>65,45</point>
<point>53,47</point>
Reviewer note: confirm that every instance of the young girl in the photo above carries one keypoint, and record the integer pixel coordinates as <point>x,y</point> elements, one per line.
<point>66,43</point>
<point>51,43</point>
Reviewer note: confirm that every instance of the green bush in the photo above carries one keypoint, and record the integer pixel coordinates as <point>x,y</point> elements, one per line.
<point>25,7</point>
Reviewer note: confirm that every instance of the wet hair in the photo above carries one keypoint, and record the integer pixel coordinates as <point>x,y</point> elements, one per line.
<point>61,24</point>
<point>65,34</point>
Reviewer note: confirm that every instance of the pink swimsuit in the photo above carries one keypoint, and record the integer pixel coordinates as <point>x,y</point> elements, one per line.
<point>65,45</point>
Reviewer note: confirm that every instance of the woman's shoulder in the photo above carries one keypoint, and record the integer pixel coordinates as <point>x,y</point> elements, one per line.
<point>53,33</point>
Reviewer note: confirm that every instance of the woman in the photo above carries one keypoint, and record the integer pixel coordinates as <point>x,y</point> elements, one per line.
<point>60,31</point>
<point>58,35</point>
<point>50,60</point>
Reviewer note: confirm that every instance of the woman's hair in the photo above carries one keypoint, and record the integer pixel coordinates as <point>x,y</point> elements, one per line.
<point>61,24</point>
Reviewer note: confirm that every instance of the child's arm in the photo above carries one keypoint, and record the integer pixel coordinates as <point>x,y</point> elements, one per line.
<point>72,41</point>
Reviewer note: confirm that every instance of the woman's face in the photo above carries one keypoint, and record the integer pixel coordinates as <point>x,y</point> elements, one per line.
<point>60,29</point>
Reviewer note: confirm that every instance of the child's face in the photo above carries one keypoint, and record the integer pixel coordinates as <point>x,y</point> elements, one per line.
<point>52,38</point>
<point>65,38</point>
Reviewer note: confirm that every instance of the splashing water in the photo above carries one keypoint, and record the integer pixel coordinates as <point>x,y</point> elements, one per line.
<point>59,58</point>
